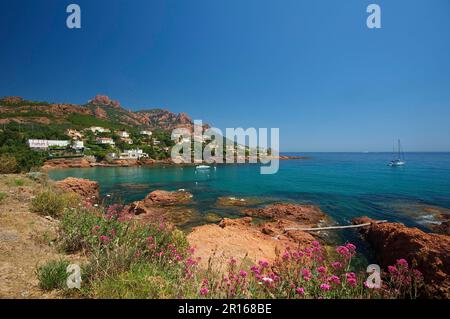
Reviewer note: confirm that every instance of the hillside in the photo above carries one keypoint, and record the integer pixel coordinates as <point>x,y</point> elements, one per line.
<point>99,111</point>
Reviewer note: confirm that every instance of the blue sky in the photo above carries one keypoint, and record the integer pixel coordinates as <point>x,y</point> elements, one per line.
<point>311,68</point>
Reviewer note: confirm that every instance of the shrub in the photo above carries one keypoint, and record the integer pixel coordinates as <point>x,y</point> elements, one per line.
<point>145,280</point>
<point>8,164</point>
<point>2,196</point>
<point>53,275</point>
<point>52,203</point>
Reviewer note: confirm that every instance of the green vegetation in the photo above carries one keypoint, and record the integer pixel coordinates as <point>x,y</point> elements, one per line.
<point>15,182</point>
<point>32,113</point>
<point>2,196</point>
<point>83,121</point>
<point>53,203</point>
<point>23,103</point>
<point>15,155</point>
<point>53,275</point>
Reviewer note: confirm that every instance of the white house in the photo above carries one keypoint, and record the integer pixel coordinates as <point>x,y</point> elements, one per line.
<point>129,154</point>
<point>45,144</point>
<point>148,133</point>
<point>123,134</point>
<point>105,141</point>
<point>99,129</point>
<point>127,140</point>
<point>77,145</point>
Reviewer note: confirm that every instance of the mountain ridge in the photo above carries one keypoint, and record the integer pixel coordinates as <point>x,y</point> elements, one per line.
<point>101,107</point>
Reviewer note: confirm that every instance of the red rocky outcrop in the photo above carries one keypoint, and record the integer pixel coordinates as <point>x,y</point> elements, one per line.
<point>87,189</point>
<point>430,252</point>
<point>302,214</point>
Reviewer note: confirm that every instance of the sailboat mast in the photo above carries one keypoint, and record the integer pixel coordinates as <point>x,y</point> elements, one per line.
<point>399,149</point>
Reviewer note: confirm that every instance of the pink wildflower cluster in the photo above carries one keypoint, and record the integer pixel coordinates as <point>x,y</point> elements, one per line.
<point>117,212</point>
<point>404,281</point>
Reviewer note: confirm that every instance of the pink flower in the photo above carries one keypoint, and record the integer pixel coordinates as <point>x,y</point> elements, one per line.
<point>315,243</point>
<point>325,287</point>
<point>300,291</point>
<point>232,261</point>
<point>342,250</point>
<point>306,273</point>
<point>403,263</point>
<point>350,275</point>
<point>105,239</point>
<point>149,239</point>
<point>263,263</point>
<point>351,282</point>
<point>204,291</point>
<point>255,270</point>
<point>286,256</point>
<point>334,279</point>
<point>392,269</point>
<point>243,273</point>
<point>322,269</point>
<point>336,265</point>
<point>350,247</point>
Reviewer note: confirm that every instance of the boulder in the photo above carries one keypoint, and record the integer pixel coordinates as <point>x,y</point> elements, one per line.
<point>160,197</point>
<point>429,252</point>
<point>238,238</point>
<point>85,188</point>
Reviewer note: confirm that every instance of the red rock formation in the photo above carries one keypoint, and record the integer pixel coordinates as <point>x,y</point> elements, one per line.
<point>160,197</point>
<point>104,101</point>
<point>431,252</point>
<point>239,238</point>
<point>80,162</point>
<point>87,189</point>
<point>100,113</point>
<point>11,100</point>
<point>303,214</point>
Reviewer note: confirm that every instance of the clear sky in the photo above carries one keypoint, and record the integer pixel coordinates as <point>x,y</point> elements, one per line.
<point>311,68</point>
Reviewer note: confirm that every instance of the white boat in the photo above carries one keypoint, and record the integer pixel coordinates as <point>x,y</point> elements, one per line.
<point>202,167</point>
<point>400,161</point>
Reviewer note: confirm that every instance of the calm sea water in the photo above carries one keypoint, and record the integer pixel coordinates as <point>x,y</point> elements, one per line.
<point>344,185</point>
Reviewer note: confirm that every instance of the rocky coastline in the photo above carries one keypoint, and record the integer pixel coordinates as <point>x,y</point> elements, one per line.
<point>260,233</point>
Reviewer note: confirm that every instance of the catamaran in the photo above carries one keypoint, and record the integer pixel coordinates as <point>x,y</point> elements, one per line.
<point>400,161</point>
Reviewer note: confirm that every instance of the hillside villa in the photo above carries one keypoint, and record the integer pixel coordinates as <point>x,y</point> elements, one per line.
<point>148,133</point>
<point>127,140</point>
<point>99,129</point>
<point>104,141</point>
<point>123,134</point>
<point>37,144</point>
<point>129,154</point>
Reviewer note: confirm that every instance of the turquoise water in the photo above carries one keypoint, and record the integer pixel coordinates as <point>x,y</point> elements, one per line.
<point>344,185</point>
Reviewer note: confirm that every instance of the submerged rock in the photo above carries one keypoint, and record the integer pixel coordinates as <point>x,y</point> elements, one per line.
<point>213,217</point>
<point>226,201</point>
<point>430,252</point>
<point>85,188</point>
